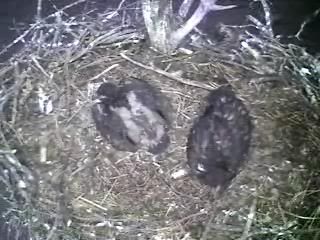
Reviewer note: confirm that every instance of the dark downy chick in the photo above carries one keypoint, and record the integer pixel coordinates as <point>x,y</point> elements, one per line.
<point>219,139</point>
<point>132,116</point>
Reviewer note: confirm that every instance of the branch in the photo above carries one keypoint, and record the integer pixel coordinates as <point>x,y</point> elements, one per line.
<point>306,22</point>
<point>185,7</point>
<point>192,22</point>
<point>211,5</point>
<point>204,7</point>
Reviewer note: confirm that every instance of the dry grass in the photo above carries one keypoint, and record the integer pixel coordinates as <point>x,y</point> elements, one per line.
<point>87,190</point>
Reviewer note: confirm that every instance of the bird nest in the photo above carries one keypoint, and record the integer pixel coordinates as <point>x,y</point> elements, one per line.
<point>88,190</point>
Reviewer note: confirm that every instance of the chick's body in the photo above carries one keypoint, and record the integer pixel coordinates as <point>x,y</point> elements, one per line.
<point>219,139</point>
<point>132,116</point>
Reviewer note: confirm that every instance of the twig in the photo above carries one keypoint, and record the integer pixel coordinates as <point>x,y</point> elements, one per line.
<point>34,26</point>
<point>171,76</point>
<point>93,204</point>
<point>36,62</point>
<point>208,226</point>
<point>53,229</point>
<point>39,8</point>
<point>104,72</point>
<point>115,12</point>
<point>250,219</point>
<point>267,16</point>
<point>190,216</point>
<point>116,34</point>
<point>306,22</point>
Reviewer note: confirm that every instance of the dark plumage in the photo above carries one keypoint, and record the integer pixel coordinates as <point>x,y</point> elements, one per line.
<point>132,116</point>
<point>219,139</point>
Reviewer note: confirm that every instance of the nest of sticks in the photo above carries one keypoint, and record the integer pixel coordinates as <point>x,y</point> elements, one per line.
<point>87,190</point>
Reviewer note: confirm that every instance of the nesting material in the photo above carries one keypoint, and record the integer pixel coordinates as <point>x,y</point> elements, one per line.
<point>11,231</point>
<point>132,116</point>
<point>219,139</point>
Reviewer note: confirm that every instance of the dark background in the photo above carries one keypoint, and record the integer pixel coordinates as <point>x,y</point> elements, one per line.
<point>287,15</point>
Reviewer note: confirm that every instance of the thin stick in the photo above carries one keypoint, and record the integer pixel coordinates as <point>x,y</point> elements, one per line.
<point>93,204</point>
<point>251,216</point>
<point>115,12</point>
<point>172,76</point>
<point>209,224</point>
<point>104,72</point>
<point>267,14</point>
<point>39,8</point>
<point>34,26</point>
<point>306,22</point>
